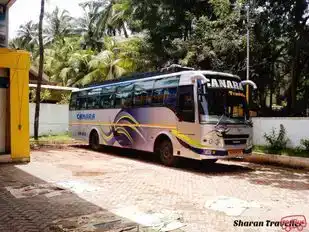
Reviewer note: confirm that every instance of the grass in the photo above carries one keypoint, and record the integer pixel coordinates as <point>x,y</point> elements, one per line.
<point>53,138</point>
<point>287,151</point>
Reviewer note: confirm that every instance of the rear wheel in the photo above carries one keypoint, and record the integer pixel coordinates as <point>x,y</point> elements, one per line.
<point>165,150</point>
<point>94,141</point>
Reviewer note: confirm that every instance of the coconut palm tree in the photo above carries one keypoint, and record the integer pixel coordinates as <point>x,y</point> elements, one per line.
<point>113,17</point>
<point>102,18</point>
<point>121,15</point>
<point>108,64</point>
<point>59,25</point>
<point>65,63</point>
<point>87,26</point>
<point>28,36</point>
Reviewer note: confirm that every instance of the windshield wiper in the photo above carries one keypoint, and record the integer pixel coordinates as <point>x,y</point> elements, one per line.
<point>220,119</point>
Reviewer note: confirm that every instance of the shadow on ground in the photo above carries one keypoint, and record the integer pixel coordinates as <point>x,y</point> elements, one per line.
<point>257,174</point>
<point>189,165</point>
<point>29,204</point>
<point>275,176</point>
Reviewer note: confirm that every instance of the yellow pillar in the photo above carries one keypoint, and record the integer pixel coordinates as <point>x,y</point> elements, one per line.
<point>18,63</point>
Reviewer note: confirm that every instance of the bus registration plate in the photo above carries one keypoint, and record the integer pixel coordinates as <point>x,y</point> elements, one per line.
<point>235,153</point>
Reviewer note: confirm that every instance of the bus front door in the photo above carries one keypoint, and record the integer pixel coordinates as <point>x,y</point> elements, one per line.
<point>186,124</point>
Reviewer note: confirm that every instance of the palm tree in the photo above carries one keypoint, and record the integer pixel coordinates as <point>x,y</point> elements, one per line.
<point>121,15</point>
<point>114,16</point>
<point>103,18</point>
<point>87,26</point>
<point>28,36</point>
<point>108,64</point>
<point>16,43</point>
<point>41,66</point>
<point>65,63</point>
<point>59,25</point>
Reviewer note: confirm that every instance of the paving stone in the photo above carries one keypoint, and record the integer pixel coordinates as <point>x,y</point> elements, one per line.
<point>123,186</point>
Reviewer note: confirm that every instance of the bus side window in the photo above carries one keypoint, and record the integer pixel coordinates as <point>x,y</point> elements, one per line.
<point>73,101</point>
<point>186,108</point>
<point>123,96</point>
<point>83,103</point>
<point>170,97</point>
<point>143,93</point>
<point>94,99</point>
<point>106,101</point>
<point>157,97</point>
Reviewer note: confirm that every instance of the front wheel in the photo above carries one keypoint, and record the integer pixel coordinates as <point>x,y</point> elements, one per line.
<point>165,150</point>
<point>94,141</point>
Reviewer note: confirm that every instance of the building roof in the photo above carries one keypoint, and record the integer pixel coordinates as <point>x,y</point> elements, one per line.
<point>34,73</point>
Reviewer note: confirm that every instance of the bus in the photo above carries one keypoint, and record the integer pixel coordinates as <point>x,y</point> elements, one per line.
<point>201,115</point>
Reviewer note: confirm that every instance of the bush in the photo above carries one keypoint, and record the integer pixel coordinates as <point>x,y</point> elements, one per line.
<point>305,144</point>
<point>277,142</point>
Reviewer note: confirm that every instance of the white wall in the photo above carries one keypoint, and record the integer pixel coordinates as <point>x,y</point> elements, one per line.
<point>54,119</point>
<point>296,129</point>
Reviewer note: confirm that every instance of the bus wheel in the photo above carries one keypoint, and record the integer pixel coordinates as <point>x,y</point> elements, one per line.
<point>94,141</point>
<point>165,150</point>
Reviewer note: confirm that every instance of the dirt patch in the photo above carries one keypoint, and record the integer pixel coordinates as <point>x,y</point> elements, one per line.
<point>42,145</point>
<point>87,173</point>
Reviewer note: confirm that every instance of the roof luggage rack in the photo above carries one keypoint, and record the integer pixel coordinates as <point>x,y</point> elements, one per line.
<point>176,68</point>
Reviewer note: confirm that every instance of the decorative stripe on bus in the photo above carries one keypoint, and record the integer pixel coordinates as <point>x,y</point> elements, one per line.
<point>125,125</point>
<point>188,140</point>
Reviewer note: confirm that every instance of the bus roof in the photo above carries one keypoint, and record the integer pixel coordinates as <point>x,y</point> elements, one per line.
<point>153,76</point>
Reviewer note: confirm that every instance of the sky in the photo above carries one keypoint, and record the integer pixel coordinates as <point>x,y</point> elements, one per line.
<point>25,10</point>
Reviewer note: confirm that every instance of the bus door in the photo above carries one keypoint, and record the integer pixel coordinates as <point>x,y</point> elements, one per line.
<point>186,124</point>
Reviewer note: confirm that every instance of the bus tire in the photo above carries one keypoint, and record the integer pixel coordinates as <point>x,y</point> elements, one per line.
<point>164,149</point>
<point>94,141</point>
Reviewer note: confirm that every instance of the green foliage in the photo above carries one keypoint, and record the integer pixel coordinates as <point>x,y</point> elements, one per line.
<point>298,151</point>
<point>277,141</point>
<point>305,144</point>
<point>65,98</point>
<point>117,37</point>
<point>59,25</point>
<point>45,95</point>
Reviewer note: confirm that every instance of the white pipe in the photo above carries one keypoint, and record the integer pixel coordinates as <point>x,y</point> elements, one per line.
<point>54,87</point>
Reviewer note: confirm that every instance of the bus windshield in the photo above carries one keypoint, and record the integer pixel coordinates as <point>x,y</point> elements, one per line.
<point>223,106</point>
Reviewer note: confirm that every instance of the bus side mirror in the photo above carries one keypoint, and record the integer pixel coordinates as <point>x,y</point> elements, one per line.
<point>249,82</point>
<point>200,98</point>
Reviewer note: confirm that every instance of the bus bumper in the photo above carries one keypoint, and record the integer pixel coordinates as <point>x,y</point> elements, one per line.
<point>225,154</point>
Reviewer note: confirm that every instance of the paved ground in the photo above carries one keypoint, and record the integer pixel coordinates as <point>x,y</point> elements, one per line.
<point>78,190</point>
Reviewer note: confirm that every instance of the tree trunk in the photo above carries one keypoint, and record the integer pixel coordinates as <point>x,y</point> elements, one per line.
<point>295,72</point>
<point>125,30</point>
<point>295,68</point>
<point>39,82</point>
